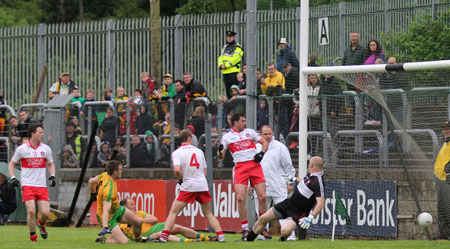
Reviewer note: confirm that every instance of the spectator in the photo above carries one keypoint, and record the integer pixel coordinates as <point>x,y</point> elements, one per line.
<point>274,83</point>
<point>90,97</point>
<point>138,98</point>
<point>76,122</point>
<point>122,155</point>
<point>291,75</point>
<point>442,181</point>
<point>118,145</point>
<point>234,105</point>
<point>286,54</point>
<point>62,86</point>
<point>242,86</point>
<point>93,158</point>
<point>194,137</point>
<point>25,121</point>
<point>104,155</point>
<point>354,54</point>
<point>109,127</point>
<point>329,87</point>
<point>8,201</point>
<point>150,85</point>
<point>198,120</point>
<point>314,103</point>
<point>180,103</point>
<point>149,145</point>
<point>74,140</point>
<point>76,103</point>
<point>2,115</point>
<point>168,89</point>
<point>121,96</point>
<point>193,87</point>
<point>70,160</point>
<point>138,153</point>
<point>259,81</point>
<point>144,122</point>
<point>123,120</point>
<point>262,114</point>
<point>394,79</point>
<point>108,95</point>
<point>374,51</point>
<point>230,61</point>
<point>14,130</point>
<point>312,60</point>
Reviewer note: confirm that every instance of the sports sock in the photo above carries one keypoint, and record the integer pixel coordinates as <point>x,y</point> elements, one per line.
<point>220,236</point>
<point>244,225</point>
<point>41,223</point>
<point>164,235</point>
<point>202,236</point>
<point>32,233</point>
<point>187,240</point>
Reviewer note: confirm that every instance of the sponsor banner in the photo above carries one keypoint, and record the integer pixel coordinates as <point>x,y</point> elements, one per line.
<point>371,207</point>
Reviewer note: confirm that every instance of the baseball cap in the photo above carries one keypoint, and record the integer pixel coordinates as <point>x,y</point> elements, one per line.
<point>168,75</point>
<point>283,41</point>
<point>64,74</point>
<point>446,125</point>
<point>149,132</point>
<point>231,33</point>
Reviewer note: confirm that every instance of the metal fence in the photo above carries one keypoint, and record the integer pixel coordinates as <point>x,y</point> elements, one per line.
<point>112,53</point>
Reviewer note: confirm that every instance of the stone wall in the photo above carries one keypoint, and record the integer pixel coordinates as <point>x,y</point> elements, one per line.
<point>407,211</point>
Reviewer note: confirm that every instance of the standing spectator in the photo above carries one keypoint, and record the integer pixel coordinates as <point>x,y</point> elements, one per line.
<point>34,157</point>
<point>118,144</point>
<point>62,86</point>
<point>276,163</point>
<point>144,122</point>
<point>312,60</point>
<point>109,127</point>
<point>108,95</point>
<point>2,114</point>
<point>193,87</point>
<point>74,140</point>
<point>150,146</point>
<point>70,160</point>
<point>123,120</point>
<point>374,51</point>
<point>121,108</point>
<point>90,97</point>
<point>138,153</point>
<point>314,103</point>
<point>329,87</point>
<point>180,102</point>
<point>14,130</point>
<point>198,120</point>
<point>259,81</point>
<point>291,75</point>
<point>286,54</point>
<point>138,99</point>
<point>241,142</point>
<point>76,103</point>
<point>168,89</point>
<point>442,174</point>
<point>25,121</point>
<point>242,85</point>
<point>354,54</point>
<point>230,61</point>
<point>274,83</point>
<point>8,201</point>
<point>233,105</point>
<point>104,155</point>
<point>150,85</point>
<point>262,114</point>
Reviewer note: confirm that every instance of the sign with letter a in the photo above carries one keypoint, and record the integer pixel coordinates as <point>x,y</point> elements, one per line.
<point>323,31</point>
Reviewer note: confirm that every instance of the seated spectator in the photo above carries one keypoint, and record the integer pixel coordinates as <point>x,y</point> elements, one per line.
<point>70,160</point>
<point>25,121</point>
<point>274,84</point>
<point>242,86</point>
<point>62,86</point>
<point>149,144</point>
<point>104,155</point>
<point>234,105</point>
<point>138,153</point>
<point>144,122</point>
<point>151,85</point>
<point>93,158</point>
<point>8,201</point>
<point>163,128</point>
<point>198,120</point>
<point>121,96</point>
<point>123,120</point>
<point>118,144</point>
<point>76,103</point>
<point>109,127</point>
<point>122,155</point>
<point>2,115</point>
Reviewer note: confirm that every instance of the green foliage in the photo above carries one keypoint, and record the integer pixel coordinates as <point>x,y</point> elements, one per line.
<point>426,39</point>
<point>196,7</point>
<point>19,12</point>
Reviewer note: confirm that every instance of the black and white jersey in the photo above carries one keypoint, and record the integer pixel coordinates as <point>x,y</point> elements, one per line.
<point>312,184</point>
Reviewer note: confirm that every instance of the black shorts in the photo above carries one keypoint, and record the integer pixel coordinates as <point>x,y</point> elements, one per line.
<point>296,206</point>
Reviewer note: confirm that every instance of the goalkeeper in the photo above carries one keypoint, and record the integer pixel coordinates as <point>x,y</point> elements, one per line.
<point>297,208</point>
<point>151,229</point>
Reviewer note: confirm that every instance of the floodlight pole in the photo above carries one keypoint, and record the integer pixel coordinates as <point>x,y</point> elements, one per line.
<point>303,89</point>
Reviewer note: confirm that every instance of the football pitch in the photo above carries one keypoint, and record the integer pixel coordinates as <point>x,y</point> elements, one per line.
<point>18,237</point>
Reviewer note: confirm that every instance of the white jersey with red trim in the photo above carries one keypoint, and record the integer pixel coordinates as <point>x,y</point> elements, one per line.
<point>192,162</point>
<point>242,145</point>
<point>33,161</point>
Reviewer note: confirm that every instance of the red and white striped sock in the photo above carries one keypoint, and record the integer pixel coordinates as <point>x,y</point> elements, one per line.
<point>164,235</point>
<point>244,225</point>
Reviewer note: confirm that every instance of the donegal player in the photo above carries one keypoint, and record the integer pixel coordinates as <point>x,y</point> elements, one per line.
<point>109,212</point>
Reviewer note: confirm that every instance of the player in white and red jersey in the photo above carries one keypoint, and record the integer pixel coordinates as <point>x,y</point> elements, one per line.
<point>34,156</point>
<point>241,142</point>
<point>189,165</point>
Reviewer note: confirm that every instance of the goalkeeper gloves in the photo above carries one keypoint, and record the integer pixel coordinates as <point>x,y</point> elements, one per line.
<point>258,157</point>
<point>289,179</point>
<point>14,182</point>
<point>52,180</point>
<point>305,222</point>
<point>104,232</point>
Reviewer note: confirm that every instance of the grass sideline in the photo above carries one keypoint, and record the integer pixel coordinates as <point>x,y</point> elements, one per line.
<point>18,237</point>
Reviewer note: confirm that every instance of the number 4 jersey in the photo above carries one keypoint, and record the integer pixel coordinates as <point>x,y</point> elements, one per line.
<point>192,162</point>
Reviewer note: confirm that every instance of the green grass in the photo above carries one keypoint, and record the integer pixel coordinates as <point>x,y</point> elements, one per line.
<point>60,238</point>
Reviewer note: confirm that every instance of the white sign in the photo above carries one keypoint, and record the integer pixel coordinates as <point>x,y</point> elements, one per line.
<point>323,31</point>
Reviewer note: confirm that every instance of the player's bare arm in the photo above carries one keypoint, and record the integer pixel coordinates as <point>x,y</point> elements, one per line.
<point>264,143</point>
<point>150,219</point>
<point>105,214</point>
<point>320,204</point>
<point>51,169</point>
<point>178,172</point>
<point>93,184</point>
<point>11,166</point>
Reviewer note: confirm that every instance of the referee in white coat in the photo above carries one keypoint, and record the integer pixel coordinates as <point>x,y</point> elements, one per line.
<point>275,163</point>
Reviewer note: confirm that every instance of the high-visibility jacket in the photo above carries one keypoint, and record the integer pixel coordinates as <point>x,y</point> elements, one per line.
<point>231,57</point>
<point>78,146</point>
<point>442,159</point>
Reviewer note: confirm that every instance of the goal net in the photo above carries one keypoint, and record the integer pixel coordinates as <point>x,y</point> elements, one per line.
<point>380,141</point>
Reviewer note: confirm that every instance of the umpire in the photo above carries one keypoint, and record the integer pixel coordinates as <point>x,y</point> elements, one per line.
<point>230,62</point>
<point>442,173</point>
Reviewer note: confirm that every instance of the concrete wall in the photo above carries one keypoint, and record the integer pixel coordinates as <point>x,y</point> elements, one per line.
<point>407,211</point>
